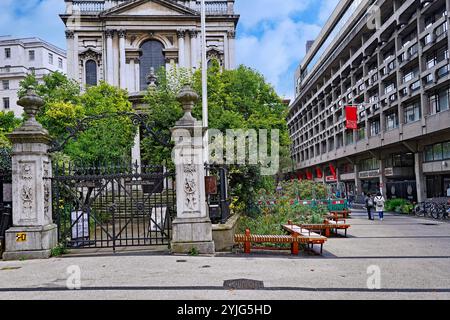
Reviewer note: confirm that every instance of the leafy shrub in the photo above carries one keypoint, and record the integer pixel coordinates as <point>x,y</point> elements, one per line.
<point>398,205</point>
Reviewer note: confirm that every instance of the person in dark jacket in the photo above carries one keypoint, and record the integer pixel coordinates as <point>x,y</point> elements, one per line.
<point>369,205</point>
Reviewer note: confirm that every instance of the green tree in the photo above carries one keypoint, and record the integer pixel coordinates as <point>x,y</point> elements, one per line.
<point>105,138</point>
<point>8,122</point>
<point>237,99</point>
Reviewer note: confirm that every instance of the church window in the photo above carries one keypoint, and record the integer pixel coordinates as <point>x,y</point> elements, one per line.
<point>91,73</point>
<point>152,57</point>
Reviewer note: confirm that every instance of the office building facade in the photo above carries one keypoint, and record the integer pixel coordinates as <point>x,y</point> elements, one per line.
<point>388,62</point>
<point>20,57</point>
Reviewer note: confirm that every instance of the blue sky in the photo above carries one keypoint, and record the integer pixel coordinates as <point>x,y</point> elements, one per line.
<point>271,34</point>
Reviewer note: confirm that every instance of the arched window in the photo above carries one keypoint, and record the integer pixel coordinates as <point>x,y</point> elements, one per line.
<point>91,73</point>
<point>152,56</point>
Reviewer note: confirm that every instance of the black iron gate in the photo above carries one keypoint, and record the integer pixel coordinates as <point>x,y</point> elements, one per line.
<point>5,204</point>
<point>112,206</point>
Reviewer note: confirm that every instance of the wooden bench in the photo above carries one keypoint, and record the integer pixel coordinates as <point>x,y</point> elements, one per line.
<point>312,237</point>
<point>341,214</point>
<point>327,227</point>
<point>247,239</point>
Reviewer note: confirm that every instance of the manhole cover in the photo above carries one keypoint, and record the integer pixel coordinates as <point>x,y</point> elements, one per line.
<point>243,284</point>
<point>429,224</point>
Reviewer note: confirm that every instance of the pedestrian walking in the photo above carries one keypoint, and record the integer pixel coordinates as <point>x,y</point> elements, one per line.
<point>379,205</point>
<point>369,205</point>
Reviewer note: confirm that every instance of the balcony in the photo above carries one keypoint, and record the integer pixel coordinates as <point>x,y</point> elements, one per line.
<point>97,6</point>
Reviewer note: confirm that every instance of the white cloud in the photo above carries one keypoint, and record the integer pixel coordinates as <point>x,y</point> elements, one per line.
<point>254,12</point>
<point>276,52</point>
<point>326,9</point>
<point>33,18</point>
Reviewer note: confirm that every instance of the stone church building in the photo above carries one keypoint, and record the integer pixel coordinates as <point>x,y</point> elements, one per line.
<point>119,41</point>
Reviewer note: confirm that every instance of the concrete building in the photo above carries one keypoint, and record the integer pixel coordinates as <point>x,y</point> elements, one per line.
<point>18,58</point>
<point>120,40</point>
<point>390,60</point>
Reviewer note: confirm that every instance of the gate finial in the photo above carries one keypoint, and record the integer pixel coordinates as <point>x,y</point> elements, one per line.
<point>31,104</point>
<point>187,97</point>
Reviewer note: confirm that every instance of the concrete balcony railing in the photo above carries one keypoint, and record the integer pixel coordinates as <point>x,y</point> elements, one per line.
<point>96,6</point>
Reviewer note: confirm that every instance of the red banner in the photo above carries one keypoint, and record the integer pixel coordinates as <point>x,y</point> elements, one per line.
<point>351,115</point>
<point>319,173</point>
<point>333,171</point>
<point>309,175</point>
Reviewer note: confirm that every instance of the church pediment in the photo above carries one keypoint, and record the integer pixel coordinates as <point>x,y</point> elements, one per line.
<point>149,8</point>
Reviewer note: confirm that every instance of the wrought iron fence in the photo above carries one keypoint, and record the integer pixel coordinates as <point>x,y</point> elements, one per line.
<point>5,205</point>
<point>111,206</point>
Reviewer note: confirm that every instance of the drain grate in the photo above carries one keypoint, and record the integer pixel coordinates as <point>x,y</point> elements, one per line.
<point>429,224</point>
<point>243,284</point>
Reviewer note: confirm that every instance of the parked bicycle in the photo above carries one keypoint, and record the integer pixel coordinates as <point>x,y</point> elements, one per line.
<point>434,209</point>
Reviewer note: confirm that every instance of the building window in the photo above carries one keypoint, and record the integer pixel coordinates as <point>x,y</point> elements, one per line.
<point>6,105</point>
<point>389,88</point>
<point>91,73</point>
<point>391,121</point>
<point>442,29</point>
<point>50,58</point>
<point>7,53</point>
<point>410,75</point>
<point>369,164</point>
<point>443,71</point>
<point>439,102</point>
<point>361,133</point>
<point>412,113</point>
<point>5,84</point>
<point>374,128</point>
<point>349,137</point>
<point>31,55</point>
<point>437,152</point>
<point>428,79</point>
<point>152,57</point>
<point>60,63</point>
<point>415,86</point>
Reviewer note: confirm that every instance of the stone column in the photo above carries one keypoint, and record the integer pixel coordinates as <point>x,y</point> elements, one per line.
<point>122,61</point>
<point>226,51</point>
<point>383,180</point>
<point>194,37</point>
<point>358,183</point>
<point>76,59</point>
<point>420,177</point>
<point>181,48</point>
<point>70,48</point>
<point>192,228</point>
<point>231,49</point>
<point>109,56</point>
<point>137,75</point>
<point>33,234</point>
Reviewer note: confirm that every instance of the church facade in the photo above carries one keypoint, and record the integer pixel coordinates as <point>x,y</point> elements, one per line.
<point>119,41</point>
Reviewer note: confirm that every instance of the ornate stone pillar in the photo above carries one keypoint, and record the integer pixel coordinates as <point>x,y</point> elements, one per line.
<point>76,58</point>
<point>33,234</point>
<point>70,49</point>
<point>231,49</point>
<point>192,228</point>
<point>194,38</point>
<point>122,57</point>
<point>109,56</point>
<point>181,48</point>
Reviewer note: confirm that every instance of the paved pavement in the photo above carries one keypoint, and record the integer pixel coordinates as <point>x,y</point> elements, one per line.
<point>411,255</point>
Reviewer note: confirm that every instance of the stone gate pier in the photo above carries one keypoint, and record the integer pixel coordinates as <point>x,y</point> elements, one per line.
<point>33,234</point>
<point>192,228</point>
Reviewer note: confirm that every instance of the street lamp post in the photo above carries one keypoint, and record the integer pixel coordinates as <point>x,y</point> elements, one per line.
<point>204,83</point>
